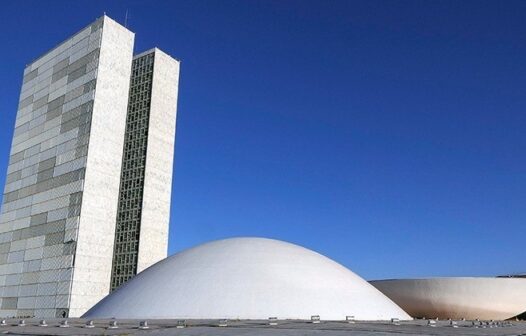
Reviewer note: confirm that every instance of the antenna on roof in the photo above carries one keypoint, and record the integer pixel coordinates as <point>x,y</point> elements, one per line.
<point>126,19</point>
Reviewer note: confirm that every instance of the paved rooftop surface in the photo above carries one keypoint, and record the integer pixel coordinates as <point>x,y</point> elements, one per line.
<point>252,327</point>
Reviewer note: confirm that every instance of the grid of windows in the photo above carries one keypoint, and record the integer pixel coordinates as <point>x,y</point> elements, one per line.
<point>127,231</point>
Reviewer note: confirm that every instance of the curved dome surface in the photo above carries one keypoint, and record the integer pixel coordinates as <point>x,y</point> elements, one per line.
<point>247,278</point>
<point>456,298</point>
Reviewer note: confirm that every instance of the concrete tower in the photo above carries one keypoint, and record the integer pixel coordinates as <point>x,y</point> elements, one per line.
<point>65,190</point>
<point>141,236</point>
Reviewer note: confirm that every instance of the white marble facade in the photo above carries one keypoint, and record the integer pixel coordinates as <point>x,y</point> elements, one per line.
<point>94,253</point>
<point>153,244</point>
<point>57,227</point>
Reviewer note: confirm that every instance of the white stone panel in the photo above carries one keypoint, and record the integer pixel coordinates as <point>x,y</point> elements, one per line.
<point>26,302</point>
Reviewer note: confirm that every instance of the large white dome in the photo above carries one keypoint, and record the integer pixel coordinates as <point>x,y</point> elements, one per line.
<point>247,278</point>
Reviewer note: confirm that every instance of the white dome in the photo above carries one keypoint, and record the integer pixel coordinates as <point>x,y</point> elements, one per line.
<point>247,278</point>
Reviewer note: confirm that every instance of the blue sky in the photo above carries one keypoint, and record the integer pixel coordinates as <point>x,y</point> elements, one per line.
<point>387,135</point>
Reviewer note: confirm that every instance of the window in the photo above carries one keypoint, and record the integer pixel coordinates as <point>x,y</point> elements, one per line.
<point>129,211</point>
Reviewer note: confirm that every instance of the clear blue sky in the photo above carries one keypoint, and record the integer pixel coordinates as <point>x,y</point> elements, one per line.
<point>389,136</point>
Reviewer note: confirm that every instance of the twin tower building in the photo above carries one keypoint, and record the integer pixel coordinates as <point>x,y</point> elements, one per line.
<point>87,195</point>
